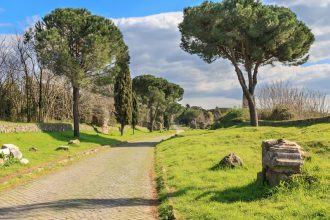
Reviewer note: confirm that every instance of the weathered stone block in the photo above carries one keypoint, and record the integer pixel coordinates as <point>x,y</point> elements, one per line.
<point>281,159</point>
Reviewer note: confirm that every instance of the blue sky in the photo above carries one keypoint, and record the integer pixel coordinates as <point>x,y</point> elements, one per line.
<point>14,14</point>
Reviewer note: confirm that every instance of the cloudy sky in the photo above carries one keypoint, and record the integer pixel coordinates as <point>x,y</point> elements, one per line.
<point>151,32</point>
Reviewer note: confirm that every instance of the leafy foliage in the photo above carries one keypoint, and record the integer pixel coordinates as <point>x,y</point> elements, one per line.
<point>79,45</point>
<point>123,96</point>
<point>135,112</point>
<point>158,94</point>
<point>248,34</point>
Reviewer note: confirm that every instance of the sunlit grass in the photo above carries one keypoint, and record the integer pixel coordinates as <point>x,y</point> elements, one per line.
<point>198,192</point>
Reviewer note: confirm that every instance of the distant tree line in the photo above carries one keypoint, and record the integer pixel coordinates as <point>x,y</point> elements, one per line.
<point>197,117</point>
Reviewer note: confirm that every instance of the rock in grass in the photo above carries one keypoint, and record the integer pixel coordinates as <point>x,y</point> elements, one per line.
<point>14,150</point>
<point>2,162</point>
<point>231,161</point>
<point>24,161</point>
<point>4,153</point>
<point>63,148</point>
<point>76,141</point>
<point>33,149</point>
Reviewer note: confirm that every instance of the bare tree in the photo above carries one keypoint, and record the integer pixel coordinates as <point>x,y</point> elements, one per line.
<point>305,103</point>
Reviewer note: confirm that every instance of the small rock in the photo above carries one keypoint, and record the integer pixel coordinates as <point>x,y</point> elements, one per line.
<point>2,162</point>
<point>4,152</point>
<point>64,148</point>
<point>76,141</point>
<point>231,160</point>
<point>33,149</point>
<point>24,161</point>
<point>14,150</point>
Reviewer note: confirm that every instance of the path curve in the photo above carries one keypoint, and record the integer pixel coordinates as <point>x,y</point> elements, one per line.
<point>115,184</point>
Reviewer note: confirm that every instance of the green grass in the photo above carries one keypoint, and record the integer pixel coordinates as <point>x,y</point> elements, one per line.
<point>47,142</point>
<point>197,191</point>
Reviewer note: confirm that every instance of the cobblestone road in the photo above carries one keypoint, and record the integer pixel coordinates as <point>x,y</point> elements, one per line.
<point>112,185</point>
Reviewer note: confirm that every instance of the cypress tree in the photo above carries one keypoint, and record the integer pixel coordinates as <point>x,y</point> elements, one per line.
<point>123,96</point>
<point>135,112</point>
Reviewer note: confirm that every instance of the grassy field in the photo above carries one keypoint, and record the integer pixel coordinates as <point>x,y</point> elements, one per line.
<point>47,142</point>
<point>197,191</point>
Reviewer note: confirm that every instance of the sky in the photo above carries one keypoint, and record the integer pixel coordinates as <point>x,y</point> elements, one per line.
<point>150,30</point>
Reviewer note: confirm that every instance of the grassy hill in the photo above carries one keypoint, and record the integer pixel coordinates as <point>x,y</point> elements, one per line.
<point>196,191</point>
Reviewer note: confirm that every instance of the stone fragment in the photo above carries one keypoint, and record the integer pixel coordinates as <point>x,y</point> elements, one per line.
<point>24,161</point>
<point>75,141</point>
<point>4,152</point>
<point>33,149</point>
<point>63,148</point>
<point>231,160</point>
<point>281,159</point>
<point>14,150</point>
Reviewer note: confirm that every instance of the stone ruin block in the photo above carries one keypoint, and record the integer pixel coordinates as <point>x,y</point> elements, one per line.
<point>281,159</point>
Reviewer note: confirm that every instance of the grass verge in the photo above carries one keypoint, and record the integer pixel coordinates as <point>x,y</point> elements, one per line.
<point>184,165</point>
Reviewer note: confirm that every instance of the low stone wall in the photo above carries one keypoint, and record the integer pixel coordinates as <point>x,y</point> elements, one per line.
<point>303,122</point>
<point>37,127</point>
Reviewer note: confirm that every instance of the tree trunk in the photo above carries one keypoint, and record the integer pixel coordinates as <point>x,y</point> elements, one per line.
<point>76,132</point>
<point>27,85</point>
<point>253,111</point>
<point>151,125</point>
<point>245,102</point>
<point>151,119</point>
<point>122,126</point>
<point>40,104</point>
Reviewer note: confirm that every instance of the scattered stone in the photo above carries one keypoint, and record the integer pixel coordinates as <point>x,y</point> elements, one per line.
<point>14,151</point>
<point>64,148</point>
<point>281,160</point>
<point>33,149</point>
<point>4,153</point>
<point>76,141</point>
<point>231,161</point>
<point>24,161</point>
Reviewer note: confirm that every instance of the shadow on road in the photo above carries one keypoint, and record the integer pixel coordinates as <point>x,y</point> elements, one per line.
<point>61,205</point>
<point>136,144</point>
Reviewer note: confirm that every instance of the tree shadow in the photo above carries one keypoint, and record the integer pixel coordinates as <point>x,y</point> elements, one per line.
<point>60,205</point>
<point>136,144</point>
<point>251,192</point>
<point>84,137</point>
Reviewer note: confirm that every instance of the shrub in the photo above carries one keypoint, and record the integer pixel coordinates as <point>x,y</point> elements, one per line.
<point>281,114</point>
<point>264,114</point>
<point>231,118</point>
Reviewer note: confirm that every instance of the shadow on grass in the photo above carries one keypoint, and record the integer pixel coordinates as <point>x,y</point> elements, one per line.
<point>84,137</point>
<point>61,205</point>
<point>252,192</point>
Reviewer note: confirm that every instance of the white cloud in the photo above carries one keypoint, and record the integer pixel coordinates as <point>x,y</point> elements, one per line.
<point>154,48</point>
<point>321,3</point>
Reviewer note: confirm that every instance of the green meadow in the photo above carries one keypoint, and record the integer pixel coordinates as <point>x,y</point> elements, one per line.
<point>186,175</point>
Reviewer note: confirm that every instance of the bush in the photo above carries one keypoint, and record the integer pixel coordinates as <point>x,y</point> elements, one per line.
<point>264,114</point>
<point>281,114</point>
<point>231,118</point>
<point>277,114</point>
